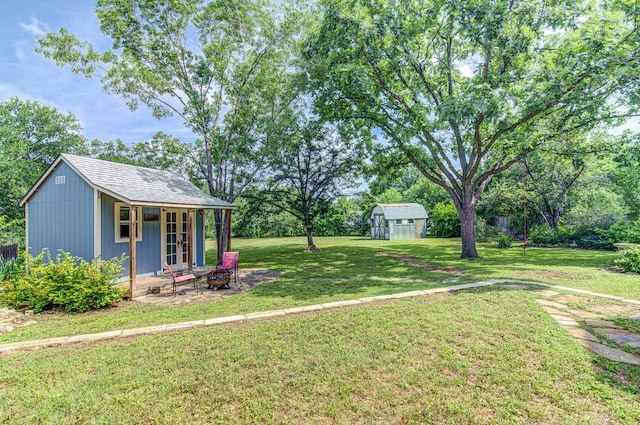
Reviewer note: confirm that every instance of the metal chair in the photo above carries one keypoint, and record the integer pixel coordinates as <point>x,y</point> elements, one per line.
<point>179,279</point>
<point>230,263</point>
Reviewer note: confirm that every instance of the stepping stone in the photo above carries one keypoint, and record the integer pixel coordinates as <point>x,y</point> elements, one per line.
<point>572,299</point>
<point>583,314</point>
<point>620,337</point>
<point>551,304</point>
<point>552,310</point>
<point>601,324</point>
<point>548,293</point>
<point>612,353</point>
<point>565,321</point>
<point>582,335</point>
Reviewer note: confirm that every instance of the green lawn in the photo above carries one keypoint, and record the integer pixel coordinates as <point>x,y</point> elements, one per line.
<point>349,268</point>
<point>477,356</point>
<point>487,356</point>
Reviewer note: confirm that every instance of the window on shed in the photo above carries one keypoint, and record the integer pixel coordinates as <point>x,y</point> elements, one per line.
<point>410,221</point>
<point>121,216</point>
<point>399,221</point>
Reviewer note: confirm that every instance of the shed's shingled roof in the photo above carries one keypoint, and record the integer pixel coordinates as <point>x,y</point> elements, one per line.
<point>136,185</point>
<point>400,211</point>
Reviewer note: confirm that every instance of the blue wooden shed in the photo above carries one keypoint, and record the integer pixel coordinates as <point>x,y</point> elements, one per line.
<point>88,207</point>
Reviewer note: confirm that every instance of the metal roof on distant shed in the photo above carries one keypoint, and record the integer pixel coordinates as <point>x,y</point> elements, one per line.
<point>135,185</point>
<point>400,211</point>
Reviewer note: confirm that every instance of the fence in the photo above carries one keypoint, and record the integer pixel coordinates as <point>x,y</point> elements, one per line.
<point>9,251</point>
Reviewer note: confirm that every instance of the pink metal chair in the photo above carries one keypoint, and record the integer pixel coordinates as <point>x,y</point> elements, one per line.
<point>179,279</point>
<point>230,263</point>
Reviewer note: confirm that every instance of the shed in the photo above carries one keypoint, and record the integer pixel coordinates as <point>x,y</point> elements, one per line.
<point>398,221</point>
<point>87,207</point>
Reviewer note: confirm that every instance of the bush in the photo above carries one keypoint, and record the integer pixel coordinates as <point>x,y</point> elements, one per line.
<point>504,241</point>
<point>445,221</point>
<point>622,232</point>
<point>629,260</point>
<point>7,268</point>
<point>484,231</point>
<point>594,241</point>
<point>70,283</point>
<point>544,235</point>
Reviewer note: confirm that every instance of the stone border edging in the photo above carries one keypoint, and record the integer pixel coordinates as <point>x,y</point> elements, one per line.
<point>151,330</point>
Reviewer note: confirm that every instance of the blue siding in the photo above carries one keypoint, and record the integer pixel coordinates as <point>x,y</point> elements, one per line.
<point>147,250</point>
<point>199,254</point>
<point>61,215</point>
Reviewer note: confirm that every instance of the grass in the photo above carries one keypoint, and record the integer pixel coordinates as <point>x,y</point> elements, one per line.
<point>479,356</point>
<point>486,356</point>
<point>348,268</point>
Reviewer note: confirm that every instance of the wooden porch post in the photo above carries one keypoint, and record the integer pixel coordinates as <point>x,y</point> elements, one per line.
<point>189,238</point>
<point>133,230</point>
<point>228,226</point>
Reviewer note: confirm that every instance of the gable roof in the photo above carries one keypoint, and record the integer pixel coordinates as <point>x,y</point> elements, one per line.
<point>399,211</point>
<point>133,184</point>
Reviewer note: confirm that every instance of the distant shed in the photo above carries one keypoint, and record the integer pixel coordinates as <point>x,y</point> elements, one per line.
<point>398,221</point>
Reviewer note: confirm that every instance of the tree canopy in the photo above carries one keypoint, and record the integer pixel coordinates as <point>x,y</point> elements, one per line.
<point>221,65</point>
<point>465,89</point>
<point>32,135</point>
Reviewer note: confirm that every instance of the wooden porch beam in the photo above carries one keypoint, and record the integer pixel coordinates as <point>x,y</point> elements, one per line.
<point>228,229</point>
<point>133,230</point>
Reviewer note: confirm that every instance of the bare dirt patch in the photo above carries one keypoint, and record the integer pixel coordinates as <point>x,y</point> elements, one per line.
<point>423,264</point>
<point>547,274</point>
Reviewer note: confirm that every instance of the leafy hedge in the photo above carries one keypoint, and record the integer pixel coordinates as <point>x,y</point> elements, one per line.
<point>587,238</point>
<point>69,283</point>
<point>445,222</point>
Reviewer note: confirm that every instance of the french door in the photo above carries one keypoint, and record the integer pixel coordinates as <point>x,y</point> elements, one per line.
<point>175,239</point>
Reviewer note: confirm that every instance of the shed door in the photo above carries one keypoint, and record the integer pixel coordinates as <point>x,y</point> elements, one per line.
<point>379,228</point>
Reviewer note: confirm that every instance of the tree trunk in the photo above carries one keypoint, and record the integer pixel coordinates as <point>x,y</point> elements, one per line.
<point>467,216</point>
<point>310,245</point>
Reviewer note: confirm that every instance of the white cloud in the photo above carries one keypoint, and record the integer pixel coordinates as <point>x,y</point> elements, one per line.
<point>19,51</point>
<point>36,27</point>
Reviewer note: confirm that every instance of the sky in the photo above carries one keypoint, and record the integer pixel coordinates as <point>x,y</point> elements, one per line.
<point>29,76</point>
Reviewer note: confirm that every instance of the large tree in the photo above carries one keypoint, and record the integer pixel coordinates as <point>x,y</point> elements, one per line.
<point>465,89</point>
<point>314,165</point>
<point>32,135</point>
<point>221,65</point>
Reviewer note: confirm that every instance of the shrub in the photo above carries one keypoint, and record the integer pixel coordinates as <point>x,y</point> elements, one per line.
<point>69,283</point>
<point>484,231</point>
<point>8,268</point>
<point>504,241</point>
<point>543,235</point>
<point>445,221</point>
<point>629,259</point>
<point>622,232</point>
<point>594,241</point>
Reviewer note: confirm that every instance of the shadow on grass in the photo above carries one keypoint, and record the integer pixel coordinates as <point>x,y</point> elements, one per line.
<point>352,265</point>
